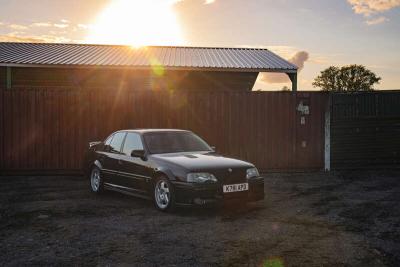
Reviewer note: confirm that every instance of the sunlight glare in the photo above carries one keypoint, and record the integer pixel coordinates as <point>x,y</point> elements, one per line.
<point>137,23</point>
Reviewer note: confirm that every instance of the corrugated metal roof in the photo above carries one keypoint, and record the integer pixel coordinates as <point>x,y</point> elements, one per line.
<point>173,57</point>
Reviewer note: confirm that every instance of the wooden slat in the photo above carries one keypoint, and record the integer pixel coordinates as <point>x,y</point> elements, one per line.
<point>56,125</point>
<point>365,130</point>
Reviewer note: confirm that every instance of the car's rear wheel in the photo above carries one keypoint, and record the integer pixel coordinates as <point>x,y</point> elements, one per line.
<point>96,182</point>
<point>164,198</point>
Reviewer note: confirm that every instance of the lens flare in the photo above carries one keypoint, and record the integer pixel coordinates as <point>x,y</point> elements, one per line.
<point>274,262</point>
<point>157,67</point>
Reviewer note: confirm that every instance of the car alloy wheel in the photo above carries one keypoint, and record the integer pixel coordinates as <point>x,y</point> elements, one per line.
<point>163,195</point>
<point>95,180</point>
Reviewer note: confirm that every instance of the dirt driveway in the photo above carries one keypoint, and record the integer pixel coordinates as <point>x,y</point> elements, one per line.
<point>347,219</point>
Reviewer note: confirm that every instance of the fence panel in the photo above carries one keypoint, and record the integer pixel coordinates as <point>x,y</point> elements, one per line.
<point>365,130</point>
<point>49,130</point>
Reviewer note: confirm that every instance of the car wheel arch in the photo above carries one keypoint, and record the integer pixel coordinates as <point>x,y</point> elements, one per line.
<point>163,172</point>
<point>97,164</point>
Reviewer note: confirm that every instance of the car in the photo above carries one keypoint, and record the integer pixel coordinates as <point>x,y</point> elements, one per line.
<point>171,167</point>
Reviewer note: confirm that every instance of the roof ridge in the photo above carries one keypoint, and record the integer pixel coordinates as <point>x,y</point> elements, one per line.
<point>121,45</point>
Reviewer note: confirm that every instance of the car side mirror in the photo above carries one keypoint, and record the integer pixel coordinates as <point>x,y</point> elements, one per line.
<point>213,148</point>
<point>138,154</point>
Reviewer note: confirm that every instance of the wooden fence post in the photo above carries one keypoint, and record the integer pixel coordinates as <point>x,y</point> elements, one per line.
<point>327,150</point>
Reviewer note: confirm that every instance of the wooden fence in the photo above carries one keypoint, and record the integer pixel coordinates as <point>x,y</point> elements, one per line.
<point>365,130</point>
<point>48,130</point>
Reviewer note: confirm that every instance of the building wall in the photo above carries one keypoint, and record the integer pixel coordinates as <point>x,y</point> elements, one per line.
<point>57,77</point>
<point>203,80</point>
<point>132,79</point>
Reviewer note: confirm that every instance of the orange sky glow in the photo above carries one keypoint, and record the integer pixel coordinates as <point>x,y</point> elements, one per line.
<point>312,34</point>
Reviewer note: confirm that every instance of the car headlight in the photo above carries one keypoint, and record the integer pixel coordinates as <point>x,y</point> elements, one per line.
<point>252,172</point>
<point>201,177</point>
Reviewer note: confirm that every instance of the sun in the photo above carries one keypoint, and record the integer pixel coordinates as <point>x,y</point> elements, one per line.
<point>137,23</point>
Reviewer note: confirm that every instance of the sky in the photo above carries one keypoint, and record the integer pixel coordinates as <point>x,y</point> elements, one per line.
<point>313,34</point>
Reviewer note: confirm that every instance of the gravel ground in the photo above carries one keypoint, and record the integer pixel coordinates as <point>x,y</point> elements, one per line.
<point>307,219</point>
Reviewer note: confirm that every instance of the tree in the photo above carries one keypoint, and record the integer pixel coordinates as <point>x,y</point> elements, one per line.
<point>352,78</point>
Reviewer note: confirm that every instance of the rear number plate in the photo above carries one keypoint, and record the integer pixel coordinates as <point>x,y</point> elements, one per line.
<point>235,187</point>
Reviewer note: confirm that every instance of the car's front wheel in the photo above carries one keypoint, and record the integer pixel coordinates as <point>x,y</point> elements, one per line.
<point>164,198</point>
<point>96,182</point>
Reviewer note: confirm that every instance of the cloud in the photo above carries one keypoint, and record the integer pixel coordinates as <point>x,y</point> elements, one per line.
<point>370,7</point>
<point>83,26</point>
<point>41,24</point>
<point>376,21</point>
<point>60,25</point>
<point>18,27</point>
<point>55,32</point>
<point>64,24</point>
<point>298,59</point>
<point>205,2</point>
<point>18,37</point>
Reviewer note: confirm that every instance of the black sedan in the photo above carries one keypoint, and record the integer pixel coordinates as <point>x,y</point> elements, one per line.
<point>171,167</point>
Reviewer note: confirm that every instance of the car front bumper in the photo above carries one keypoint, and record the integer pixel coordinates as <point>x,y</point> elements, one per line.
<point>201,194</point>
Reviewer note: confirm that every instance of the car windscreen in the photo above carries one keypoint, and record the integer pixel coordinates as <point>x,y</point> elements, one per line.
<point>172,142</point>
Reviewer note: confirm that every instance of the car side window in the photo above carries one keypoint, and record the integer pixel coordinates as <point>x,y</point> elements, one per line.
<point>116,142</point>
<point>107,143</point>
<point>108,140</point>
<point>132,142</point>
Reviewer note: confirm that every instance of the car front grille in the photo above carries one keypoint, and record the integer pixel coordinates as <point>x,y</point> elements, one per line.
<point>235,176</point>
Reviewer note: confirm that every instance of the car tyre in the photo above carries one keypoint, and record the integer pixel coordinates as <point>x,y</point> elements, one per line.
<point>163,194</point>
<point>96,181</point>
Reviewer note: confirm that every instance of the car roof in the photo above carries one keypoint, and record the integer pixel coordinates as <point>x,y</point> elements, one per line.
<point>142,131</point>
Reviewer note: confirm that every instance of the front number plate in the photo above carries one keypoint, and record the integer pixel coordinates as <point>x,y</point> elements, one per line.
<point>235,187</point>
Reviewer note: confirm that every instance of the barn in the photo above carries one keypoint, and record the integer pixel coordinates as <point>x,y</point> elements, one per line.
<point>154,67</point>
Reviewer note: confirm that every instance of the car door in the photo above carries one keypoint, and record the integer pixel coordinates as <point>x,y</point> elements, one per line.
<point>111,157</point>
<point>134,171</point>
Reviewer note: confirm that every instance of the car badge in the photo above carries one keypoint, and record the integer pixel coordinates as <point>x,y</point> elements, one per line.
<point>229,170</point>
